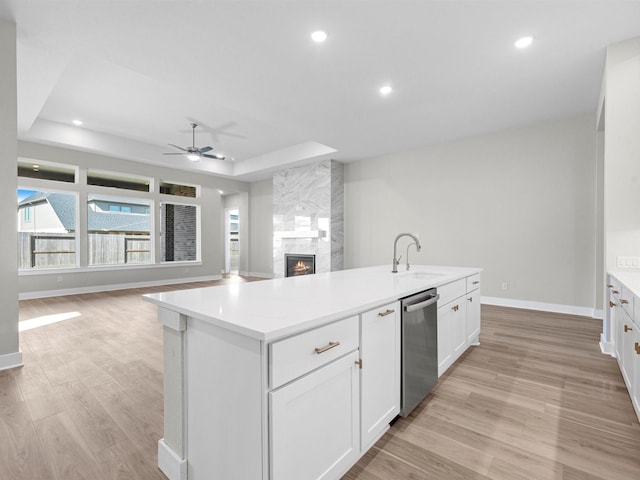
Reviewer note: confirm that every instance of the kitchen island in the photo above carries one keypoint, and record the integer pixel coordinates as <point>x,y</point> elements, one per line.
<point>296,377</point>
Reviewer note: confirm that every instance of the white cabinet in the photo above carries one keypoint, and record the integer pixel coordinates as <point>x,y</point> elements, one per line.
<point>445,337</point>
<point>635,392</point>
<point>314,404</point>
<point>452,333</point>
<point>459,334</point>
<point>380,372</point>
<point>473,309</point>
<point>624,316</point>
<point>458,319</point>
<point>626,329</point>
<point>473,317</point>
<point>314,423</point>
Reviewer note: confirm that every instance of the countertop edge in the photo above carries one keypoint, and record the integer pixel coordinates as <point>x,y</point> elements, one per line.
<point>288,330</point>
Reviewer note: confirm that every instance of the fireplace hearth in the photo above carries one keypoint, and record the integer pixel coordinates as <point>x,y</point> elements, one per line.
<point>297,264</point>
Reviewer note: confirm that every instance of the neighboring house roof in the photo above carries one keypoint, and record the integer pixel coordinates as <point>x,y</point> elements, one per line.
<point>118,222</point>
<point>64,207</point>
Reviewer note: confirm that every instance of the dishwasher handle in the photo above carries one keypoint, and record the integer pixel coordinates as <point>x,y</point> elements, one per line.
<point>426,303</point>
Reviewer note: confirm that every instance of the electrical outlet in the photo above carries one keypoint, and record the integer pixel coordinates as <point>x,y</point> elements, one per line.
<point>628,262</point>
<point>505,285</point>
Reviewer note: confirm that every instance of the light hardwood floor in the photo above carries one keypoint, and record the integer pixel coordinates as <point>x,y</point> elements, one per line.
<point>536,400</point>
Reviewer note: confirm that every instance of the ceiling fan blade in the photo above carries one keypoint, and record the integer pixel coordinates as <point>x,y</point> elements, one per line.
<point>206,149</point>
<point>173,153</point>
<point>217,157</point>
<point>179,148</point>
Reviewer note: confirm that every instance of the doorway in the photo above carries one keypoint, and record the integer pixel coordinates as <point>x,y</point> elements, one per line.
<point>232,241</point>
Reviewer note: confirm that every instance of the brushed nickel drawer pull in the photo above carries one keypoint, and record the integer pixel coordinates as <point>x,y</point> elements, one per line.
<point>385,313</point>
<point>476,282</point>
<point>615,292</point>
<point>455,308</point>
<point>623,301</point>
<point>328,347</point>
<point>470,299</point>
<point>611,304</point>
<point>627,328</point>
<point>609,286</point>
<point>637,348</point>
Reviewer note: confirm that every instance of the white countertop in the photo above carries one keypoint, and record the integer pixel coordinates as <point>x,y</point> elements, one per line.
<point>631,280</point>
<point>270,309</point>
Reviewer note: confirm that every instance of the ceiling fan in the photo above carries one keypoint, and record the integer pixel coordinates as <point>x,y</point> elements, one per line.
<point>194,153</point>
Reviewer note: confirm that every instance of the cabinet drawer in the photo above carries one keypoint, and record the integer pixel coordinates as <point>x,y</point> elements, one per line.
<point>297,355</point>
<point>473,282</point>
<point>451,291</point>
<point>626,300</point>
<point>391,310</point>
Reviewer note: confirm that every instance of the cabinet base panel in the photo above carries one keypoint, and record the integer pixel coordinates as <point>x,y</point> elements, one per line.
<point>174,467</point>
<point>607,347</point>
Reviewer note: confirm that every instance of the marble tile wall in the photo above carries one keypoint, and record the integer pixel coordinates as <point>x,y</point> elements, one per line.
<point>309,198</point>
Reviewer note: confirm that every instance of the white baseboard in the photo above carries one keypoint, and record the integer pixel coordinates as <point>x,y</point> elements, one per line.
<point>11,360</point>
<point>174,467</point>
<point>542,307</point>
<point>257,274</point>
<point>608,348</point>
<point>117,286</point>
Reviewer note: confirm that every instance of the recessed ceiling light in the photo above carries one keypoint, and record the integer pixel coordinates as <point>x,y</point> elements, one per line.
<point>524,42</point>
<point>385,90</point>
<point>319,36</point>
<point>77,122</point>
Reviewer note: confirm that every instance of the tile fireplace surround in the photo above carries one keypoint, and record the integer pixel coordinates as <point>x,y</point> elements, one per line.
<point>308,215</point>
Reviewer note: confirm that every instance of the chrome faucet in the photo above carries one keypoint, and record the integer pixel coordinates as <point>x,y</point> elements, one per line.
<point>395,245</point>
<point>408,246</point>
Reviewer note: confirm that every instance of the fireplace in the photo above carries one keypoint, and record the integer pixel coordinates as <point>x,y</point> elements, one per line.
<point>296,264</point>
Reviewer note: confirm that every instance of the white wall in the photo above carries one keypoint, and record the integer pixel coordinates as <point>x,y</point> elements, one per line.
<point>261,224</point>
<point>9,351</point>
<point>96,278</point>
<point>621,92</point>
<point>518,203</point>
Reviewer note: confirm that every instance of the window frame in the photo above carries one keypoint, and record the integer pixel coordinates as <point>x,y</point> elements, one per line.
<point>166,198</point>
<point>49,186</point>
<point>83,191</point>
<point>110,199</point>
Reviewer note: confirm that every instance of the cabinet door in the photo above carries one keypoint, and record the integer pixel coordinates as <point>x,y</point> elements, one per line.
<point>635,392</point>
<point>628,352</point>
<point>314,423</point>
<point>380,373</point>
<point>459,334</point>
<point>445,337</point>
<point>473,317</point>
<point>618,316</point>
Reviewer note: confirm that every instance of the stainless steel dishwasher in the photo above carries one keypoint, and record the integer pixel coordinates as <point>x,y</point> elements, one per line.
<point>419,348</point>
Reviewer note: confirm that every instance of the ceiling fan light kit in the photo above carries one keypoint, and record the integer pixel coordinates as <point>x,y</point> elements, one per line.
<point>194,153</point>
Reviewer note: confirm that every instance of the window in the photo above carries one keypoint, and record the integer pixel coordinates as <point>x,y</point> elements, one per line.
<point>118,231</point>
<point>47,171</point>
<point>46,229</point>
<point>168,188</point>
<point>127,220</point>
<point>179,232</point>
<point>117,180</point>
